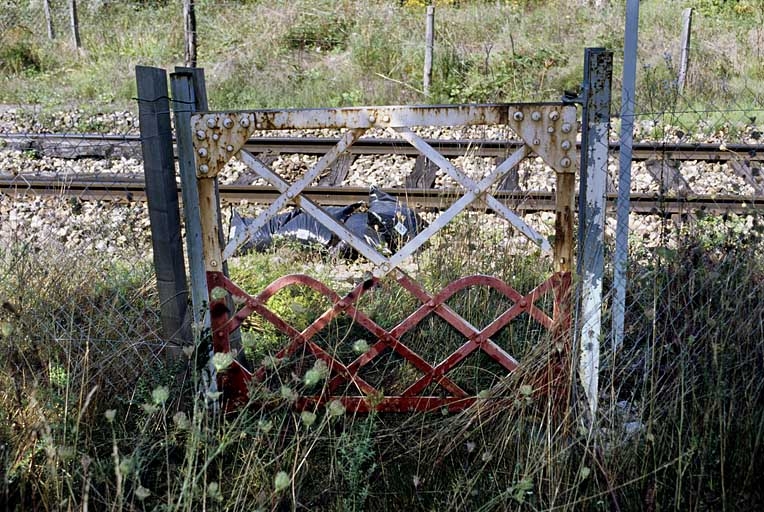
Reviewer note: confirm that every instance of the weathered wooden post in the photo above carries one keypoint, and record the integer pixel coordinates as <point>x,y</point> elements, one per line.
<point>189,32</point>
<point>74,20</point>
<point>598,70</point>
<point>429,37</point>
<point>162,197</point>
<point>184,99</point>
<point>49,20</point>
<point>684,54</point>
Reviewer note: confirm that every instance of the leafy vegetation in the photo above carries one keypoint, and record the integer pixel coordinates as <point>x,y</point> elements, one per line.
<point>97,413</point>
<point>336,52</point>
<point>679,425</point>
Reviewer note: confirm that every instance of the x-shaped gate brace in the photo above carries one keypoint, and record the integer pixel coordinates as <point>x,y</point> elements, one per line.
<point>548,130</point>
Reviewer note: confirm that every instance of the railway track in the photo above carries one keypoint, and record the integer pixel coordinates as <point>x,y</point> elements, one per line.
<point>129,146</point>
<point>124,189</point>
<point>128,188</point>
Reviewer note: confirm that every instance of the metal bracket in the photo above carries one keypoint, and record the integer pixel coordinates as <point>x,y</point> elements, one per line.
<point>217,138</point>
<point>550,130</point>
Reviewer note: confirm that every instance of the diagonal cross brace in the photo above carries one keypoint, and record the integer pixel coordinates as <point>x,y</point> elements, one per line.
<point>474,190</point>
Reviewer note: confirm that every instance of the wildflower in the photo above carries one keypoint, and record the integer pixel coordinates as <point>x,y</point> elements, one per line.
<point>181,420</point>
<point>213,395</point>
<point>336,408</point>
<point>361,346</point>
<point>288,393</point>
<point>160,395</point>
<point>281,481</point>
<point>222,360</point>
<point>308,418</point>
<point>110,414</point>
<point>218,293</point>
<point>142,493</point>
<point>526,390</point>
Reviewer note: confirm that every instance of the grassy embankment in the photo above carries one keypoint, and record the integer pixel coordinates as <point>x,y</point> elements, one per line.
<point>89,416</point>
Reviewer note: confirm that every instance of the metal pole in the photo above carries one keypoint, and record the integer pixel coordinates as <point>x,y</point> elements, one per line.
<point>183,106</point>
<point>598,69</point>
<point>429,37</point>
<point>628,96</point>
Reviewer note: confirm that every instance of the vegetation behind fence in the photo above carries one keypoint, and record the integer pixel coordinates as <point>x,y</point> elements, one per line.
<point>94,414</point>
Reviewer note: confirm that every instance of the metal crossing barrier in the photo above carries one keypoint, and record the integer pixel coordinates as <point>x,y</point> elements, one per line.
<point>547,130</point>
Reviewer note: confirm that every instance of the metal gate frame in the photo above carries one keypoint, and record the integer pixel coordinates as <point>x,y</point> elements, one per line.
<point>547,130</point>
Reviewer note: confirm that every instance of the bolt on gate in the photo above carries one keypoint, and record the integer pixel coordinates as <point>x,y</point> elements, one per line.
<point>548,130</point>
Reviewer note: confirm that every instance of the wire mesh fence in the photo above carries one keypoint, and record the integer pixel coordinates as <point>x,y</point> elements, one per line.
<point>77,280</point>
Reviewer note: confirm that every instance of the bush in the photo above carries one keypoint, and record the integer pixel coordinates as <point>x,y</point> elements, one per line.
<point>18,52</point>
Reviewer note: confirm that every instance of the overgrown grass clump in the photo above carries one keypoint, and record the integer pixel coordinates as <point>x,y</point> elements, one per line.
<point>92,414</point>
<point>338,53</point>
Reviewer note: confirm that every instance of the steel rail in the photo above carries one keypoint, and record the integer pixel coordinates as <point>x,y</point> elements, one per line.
<point>132,189</point>
<point>116,146</point>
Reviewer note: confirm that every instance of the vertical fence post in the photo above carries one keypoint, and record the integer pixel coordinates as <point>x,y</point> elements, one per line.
<point>189,32</point>
<point>598,69</point>
<point>628,96</point>
<point>183,106</point>
<point>429,36</point>
<point>201,104</point>
<point>162,197</point>
<point>49,20</point>
<point>684,54</point>
<point>75,24</point>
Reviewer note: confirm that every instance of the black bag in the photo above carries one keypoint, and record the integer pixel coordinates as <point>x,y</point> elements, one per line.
<point>395,222</point>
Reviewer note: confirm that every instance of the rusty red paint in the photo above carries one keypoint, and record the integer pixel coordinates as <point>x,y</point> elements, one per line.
<point>235,380</point>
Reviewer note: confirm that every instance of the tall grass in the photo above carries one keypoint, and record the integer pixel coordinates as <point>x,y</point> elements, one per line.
<point>336,52</point>
<point>680,424</point>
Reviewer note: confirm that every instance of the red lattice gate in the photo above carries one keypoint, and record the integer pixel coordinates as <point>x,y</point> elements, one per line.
<point>547,130</point>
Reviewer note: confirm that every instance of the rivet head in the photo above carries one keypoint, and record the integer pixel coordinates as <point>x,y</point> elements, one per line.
<point>565,145</point>
<point>565,127</point>
<point>202,152</point>
<point>565,162</point>
<point>229,148</point>
<point>290,194</point>
<point>550,129</point>
<point>386,119</point>
<point>213,263</point>
<point>523,303</point>
<point>536,142</point>
<point>554,115</point>
<point>372,119</point>
<point>518,116</point>
<point>476,191</point>
<point>227,122</point>
<point>204,169</point>
<point>385,267</point>
<point>536,115</point>
<point>244,122</point>
<point>258,126</point>
<point>201,135</point>
<point>211,122</point>
<point>215,136</point>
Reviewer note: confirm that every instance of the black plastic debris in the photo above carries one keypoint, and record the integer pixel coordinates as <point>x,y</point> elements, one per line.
<point>262,239</point>
<point>358,224</point>
<point>395,222</point>
<point>307,230</point>
<point>386,223</point>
